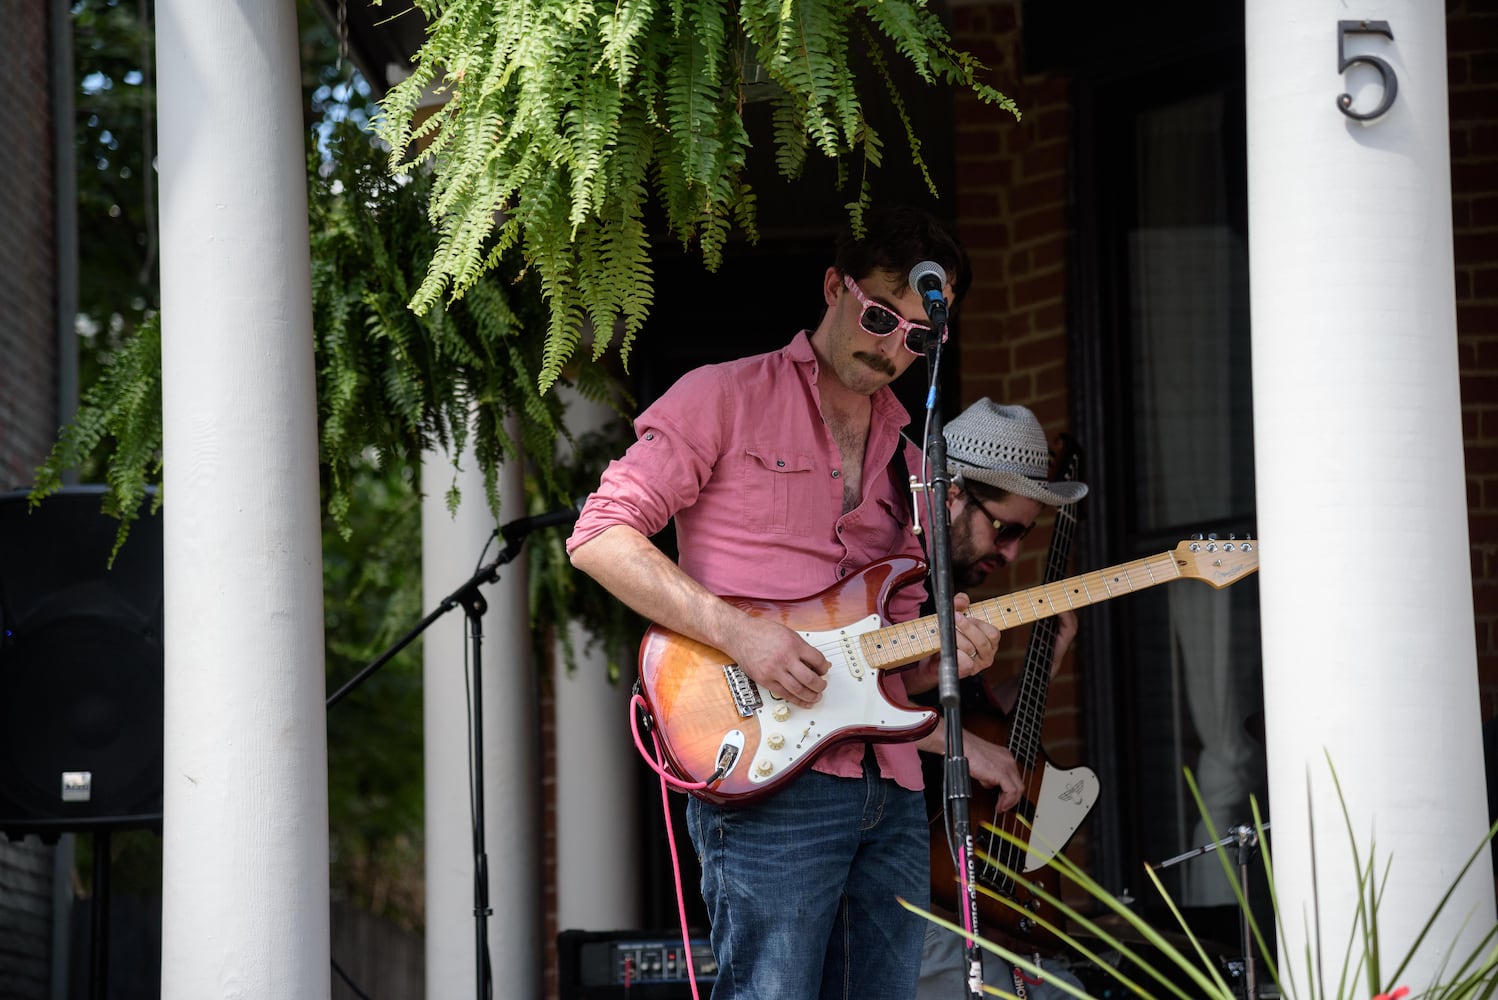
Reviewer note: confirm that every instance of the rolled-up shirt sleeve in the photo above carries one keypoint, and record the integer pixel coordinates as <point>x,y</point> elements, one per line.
<point>675,450</point>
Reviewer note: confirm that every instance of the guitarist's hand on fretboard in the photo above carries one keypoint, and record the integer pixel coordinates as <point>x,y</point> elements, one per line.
<point>977,642</point>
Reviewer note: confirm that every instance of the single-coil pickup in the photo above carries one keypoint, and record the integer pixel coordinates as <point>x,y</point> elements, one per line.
<point>745,692</point>
<point>849,644</point>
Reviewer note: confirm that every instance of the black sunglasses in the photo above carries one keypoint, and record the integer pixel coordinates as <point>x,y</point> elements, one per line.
<point>1003,531</point>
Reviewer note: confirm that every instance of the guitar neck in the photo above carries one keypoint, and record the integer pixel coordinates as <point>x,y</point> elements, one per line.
<point>905,643</point>
<point>1029,707</point>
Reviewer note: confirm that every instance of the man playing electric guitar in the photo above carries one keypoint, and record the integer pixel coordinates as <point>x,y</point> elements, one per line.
<point>1000,463</point>
<point>777,470</point>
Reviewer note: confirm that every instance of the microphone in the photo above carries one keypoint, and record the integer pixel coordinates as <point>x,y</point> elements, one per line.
<point>520,527</point>
<point>926,280</point>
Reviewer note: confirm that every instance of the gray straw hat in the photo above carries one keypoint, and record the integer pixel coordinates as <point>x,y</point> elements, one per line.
<point>1004,446</point>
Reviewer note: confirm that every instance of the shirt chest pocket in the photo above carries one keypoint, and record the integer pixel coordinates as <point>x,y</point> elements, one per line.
<point>779,490</point>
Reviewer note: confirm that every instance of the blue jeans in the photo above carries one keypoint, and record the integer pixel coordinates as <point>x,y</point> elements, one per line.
<point>800,889</point>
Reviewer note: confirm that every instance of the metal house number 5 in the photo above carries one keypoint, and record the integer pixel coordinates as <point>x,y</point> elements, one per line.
<point>1385,71</point>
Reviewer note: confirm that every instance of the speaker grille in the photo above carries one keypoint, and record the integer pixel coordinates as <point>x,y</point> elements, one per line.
<point>81,667</point>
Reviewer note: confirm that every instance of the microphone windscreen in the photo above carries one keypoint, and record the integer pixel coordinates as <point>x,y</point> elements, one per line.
<point>926,270</point>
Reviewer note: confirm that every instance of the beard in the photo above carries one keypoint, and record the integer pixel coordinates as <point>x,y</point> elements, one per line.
<point>970,567</point>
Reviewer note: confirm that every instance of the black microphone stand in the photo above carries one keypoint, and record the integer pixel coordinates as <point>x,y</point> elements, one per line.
<point>474,606</point>
<point>956,776</point>
<point>1246,839</point>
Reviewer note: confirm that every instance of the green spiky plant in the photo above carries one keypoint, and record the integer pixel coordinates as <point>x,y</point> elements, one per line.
<point>1473,977</point>
<point>561,118</point>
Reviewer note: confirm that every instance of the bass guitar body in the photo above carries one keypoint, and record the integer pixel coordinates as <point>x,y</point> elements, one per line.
<point>1054,803</point>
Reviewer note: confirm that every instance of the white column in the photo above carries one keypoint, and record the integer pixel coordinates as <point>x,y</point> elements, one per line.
<point>245,867</point>
<point>451,550</point>
<point>597,771</point>
<point>1369,654</point>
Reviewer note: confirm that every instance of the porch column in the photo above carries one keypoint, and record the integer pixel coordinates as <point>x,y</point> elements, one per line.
<point>245,837</point>
<point>1369,653</point>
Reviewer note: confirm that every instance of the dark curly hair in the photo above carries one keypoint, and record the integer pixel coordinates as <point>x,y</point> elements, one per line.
<point>898,237</point>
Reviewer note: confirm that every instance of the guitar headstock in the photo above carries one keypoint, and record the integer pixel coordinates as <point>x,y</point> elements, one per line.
<point>1217,561</point>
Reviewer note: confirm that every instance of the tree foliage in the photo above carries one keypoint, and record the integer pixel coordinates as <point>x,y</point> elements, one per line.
<point>561,118</point>
<point>114,133</point>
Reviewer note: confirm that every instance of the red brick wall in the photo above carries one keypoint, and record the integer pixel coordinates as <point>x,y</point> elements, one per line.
<point>28,398</point>
<point>1472,73</point>
<point>1012,215</point>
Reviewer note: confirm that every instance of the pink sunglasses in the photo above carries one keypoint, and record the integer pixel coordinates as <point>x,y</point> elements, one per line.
<point>881,321</point>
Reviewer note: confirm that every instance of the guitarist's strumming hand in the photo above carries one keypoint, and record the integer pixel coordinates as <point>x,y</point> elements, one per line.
<point>779,659</point>
<point>989,764</point>
<point>992,766</point>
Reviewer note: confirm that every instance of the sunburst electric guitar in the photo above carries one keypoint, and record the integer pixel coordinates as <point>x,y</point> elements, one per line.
<point>719,729</point>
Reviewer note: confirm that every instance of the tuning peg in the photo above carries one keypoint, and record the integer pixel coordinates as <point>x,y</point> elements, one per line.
<point>1211,536</point>
<point>1197,537</point>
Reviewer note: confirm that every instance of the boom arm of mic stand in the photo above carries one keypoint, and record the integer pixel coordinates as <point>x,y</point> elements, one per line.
<point>467,595</point>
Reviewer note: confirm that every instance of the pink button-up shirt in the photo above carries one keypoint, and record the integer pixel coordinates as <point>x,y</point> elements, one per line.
<point>740,455</point>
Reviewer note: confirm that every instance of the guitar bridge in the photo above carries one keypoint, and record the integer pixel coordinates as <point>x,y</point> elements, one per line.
<point>745,693</point>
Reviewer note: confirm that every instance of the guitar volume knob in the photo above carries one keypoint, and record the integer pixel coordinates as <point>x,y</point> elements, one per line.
<point>781,713</point>
<point>764,768</point>
<point>775,742</point>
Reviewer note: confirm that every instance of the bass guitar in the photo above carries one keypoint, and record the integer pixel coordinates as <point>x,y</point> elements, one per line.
<point>1055,801</point>
<point>719,729</point>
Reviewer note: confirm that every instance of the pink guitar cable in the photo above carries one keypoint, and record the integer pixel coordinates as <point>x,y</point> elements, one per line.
<point>658,765</point>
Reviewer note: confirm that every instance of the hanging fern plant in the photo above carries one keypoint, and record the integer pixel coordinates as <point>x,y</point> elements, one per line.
<point>560,117</point>
<point>391,384</point>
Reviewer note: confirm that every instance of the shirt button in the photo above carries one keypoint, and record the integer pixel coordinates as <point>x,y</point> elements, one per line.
<point>836,474</point>
<point>842,572</point>
<point>649,437</point>
<point>780,463</point>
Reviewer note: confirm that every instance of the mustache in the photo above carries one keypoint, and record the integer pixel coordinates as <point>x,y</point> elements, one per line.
<point>878,362</point>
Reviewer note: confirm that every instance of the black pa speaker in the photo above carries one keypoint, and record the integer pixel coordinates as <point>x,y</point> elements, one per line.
<point>80,667</point>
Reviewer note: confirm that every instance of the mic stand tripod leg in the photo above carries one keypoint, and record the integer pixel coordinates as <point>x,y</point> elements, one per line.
<point>1246,840</point>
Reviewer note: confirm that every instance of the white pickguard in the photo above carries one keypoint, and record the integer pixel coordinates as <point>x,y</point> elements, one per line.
<point>1064,800</point>
<point>852,699</point>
